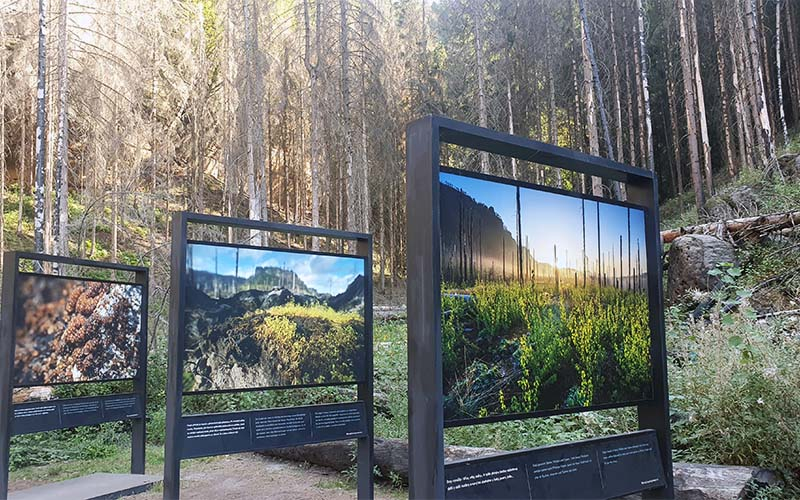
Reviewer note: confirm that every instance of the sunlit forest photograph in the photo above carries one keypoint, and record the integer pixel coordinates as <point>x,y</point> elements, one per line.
<point>259,318</point>
<point>544,301</point>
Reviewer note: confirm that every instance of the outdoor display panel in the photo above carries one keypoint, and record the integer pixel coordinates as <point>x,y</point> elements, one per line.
<point>62,329</point>
<point>271,318</point>
<point>527,301</point>
<point>254,318</point>
<point>544,300</point>
<point>74,330</point>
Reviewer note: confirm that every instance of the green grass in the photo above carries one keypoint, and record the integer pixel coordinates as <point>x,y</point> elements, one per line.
<point>518,348</point>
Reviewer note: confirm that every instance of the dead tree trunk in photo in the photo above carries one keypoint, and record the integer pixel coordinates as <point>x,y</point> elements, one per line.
<point>62,147</point>
<point>38,225</point>
<point>691,107</point>
<point>312,67</point>
<point>583,235</point>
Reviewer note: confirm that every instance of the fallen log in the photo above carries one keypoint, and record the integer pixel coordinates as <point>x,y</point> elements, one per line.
<point>747,227</point>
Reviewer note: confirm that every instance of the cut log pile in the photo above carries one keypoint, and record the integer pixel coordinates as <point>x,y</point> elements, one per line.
<point>738,229</point>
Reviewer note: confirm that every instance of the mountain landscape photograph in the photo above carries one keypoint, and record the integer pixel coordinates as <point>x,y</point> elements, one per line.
<point>544,301</point>
<point>268,318</point>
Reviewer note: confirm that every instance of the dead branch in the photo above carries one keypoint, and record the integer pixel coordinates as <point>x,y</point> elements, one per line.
<point>747,227</point>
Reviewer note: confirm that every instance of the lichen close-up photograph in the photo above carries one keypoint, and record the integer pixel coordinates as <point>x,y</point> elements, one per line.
<point>72,330</point>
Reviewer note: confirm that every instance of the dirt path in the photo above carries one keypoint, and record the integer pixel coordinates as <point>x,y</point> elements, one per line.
<point>250,476</point>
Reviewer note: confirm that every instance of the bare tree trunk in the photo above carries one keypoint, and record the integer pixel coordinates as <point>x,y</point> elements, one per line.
<point>758,73</point>
<point>23,156</point>
<point>743,110</point>
<point>615,73</point>
<point>511,124</point>
<point>597,85</point>
<point>38,227</point>
<point>648,121</point>
<point>483,120</point>
<point>254,199</point>
<point>781,113</point>
<point>588,92</point>
<point>352,194</point>
<point>629,96</point>
<point>62,148</point>
<point>723,90</point>
<point>700,96</point>
<point>691,107</point>
<point>316,141</point>
<point>673,116</point>
<point>793,65</point>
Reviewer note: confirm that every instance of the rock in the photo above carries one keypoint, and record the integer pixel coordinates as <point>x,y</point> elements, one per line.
<point>743,199</point>
<point>730,204</point>
<point>719,482</point>
<point>692,481</point>
<point>351,298</point>
<point>790,164</point>
<point>691,257</point>
<point>28,394</point>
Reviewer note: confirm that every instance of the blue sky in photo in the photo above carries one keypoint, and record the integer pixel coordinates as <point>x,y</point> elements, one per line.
<point>501,197</point>
<point>325,273</point>
<point>549,219</point>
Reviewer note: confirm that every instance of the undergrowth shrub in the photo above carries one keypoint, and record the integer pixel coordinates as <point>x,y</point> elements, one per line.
<point>735,386</point>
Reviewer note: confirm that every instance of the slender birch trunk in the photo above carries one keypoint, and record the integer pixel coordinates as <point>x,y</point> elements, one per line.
<point>648,121</point>
<point>62,147</point>
<point>41,101</point>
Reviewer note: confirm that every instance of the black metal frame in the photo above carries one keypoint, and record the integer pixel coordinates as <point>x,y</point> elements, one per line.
<point>175,419</point>
<point>11,262</point>
<point>424,138</point>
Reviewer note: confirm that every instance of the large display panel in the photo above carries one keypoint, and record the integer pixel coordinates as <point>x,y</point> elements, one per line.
<point>75,330</point>
<point>544,300</point>
<point>266,318</point>
<point>65,329</point>
<point>253,318</point>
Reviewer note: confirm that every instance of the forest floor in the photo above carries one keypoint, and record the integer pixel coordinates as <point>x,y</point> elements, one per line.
<point>250,475</point>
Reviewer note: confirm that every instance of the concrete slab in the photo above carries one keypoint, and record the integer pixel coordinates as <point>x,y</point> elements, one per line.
<point>100,486</point>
